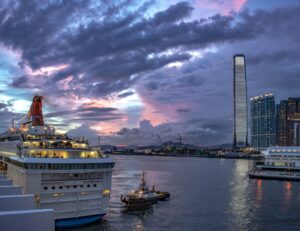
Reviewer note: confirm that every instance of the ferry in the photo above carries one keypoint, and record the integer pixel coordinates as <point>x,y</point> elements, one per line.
<point>63,173</point>
<point>280,163</point>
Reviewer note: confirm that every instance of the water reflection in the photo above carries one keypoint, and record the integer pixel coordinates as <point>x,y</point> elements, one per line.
<point>138,225</point>
<point>258,193</point>
<point>207,194</point>
<point>287,194</point>
<point>239,203</point>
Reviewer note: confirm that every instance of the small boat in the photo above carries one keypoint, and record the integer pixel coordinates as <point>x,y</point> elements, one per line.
<point>143,197</point>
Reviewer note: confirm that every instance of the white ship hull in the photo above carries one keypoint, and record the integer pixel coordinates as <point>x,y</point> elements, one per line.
<point>64,174</point>
<point>77,189</point>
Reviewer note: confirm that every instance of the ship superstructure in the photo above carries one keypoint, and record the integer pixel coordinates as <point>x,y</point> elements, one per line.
<point>63,173</point>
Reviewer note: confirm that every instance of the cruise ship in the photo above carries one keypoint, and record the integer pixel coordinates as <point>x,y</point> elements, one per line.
<point>281,163</point>
<point>63,173</point>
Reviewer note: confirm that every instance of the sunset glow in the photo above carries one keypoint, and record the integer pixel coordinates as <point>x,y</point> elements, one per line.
<point>165,70</point>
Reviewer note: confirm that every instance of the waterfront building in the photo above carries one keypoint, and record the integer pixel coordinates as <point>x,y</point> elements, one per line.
<point>288,120</point>
<point>240,136</point>
<point>280,163</point>
<point>280,157</point>
<point>263,125</point>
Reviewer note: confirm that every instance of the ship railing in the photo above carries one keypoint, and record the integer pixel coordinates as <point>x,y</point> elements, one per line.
<point>64,156</point>
<point>58,147</point>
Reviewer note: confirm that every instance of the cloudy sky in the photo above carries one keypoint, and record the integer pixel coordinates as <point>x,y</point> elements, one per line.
<point>131,70</point>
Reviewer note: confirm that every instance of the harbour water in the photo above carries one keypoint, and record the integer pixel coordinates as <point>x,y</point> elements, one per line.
<point>206,194</point>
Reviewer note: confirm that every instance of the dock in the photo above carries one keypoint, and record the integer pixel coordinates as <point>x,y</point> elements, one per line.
<point>274,175</point>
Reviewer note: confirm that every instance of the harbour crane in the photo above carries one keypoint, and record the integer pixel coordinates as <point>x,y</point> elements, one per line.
<point>180,139</point>
<point>159,139</point>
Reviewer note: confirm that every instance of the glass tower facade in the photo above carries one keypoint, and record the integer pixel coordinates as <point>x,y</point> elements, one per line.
<point>263,121</point>
<point>240,102</point>
<point>288,122</point>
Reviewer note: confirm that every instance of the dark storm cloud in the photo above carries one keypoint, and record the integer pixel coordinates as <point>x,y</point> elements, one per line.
<point>47,35</point>
<point>93,119</point>
<point>127,132</point>
<point>109,48</point>
<point>21,82</point>
<point>88,114</point>
<point>3,106</point>
<point>173,13</point>
<point>195,133</point>
<point>272,59</point>
<point>125,94</point>
<point>151,85</point>
<point>183,110</point>
<point>6,118</point>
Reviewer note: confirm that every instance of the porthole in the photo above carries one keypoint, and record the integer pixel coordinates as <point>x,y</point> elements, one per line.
<point>67,186</point>
<point>95,185</point>
<point>81,186</point>
<point>88,185</point>
<point>60,187</point>
<point>74,186</point>
<point>53,187</point>
<point>45,188</point>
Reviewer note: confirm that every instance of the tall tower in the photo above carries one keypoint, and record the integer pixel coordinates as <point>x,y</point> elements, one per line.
<point>263,126</point>
<point>240,135</point>
<point>288,130</point>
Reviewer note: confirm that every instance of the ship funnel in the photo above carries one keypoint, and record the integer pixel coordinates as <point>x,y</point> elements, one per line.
<point>35,112</point>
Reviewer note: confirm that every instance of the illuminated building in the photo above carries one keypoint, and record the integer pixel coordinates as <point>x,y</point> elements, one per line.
<point>263,130</point>
<point>288,120</point>
<point>240,102</point>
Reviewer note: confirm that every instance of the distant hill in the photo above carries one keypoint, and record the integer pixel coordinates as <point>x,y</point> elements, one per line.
<point>225,146</point>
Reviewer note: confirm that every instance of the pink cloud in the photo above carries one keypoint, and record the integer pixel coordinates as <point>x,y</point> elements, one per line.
<point>222,7</point>
<point>158,112</point>
<point>48,71</point>
<point>238,4</point>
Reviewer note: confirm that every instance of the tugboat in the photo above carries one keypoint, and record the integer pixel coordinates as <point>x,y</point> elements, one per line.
<point>162,196</point>
<point>143,197</point>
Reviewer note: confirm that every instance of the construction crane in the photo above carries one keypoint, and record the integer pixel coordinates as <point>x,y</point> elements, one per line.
<point>159,139</point>
<point>180,139</point>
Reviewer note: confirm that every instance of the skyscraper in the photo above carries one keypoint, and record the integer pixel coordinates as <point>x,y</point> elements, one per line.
<point>281,123</point>
<point>288,122</point>
<point>263,125</point>
<point>240,136</point>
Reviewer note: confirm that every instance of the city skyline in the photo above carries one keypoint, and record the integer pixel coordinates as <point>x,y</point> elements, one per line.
<point>131,71</point>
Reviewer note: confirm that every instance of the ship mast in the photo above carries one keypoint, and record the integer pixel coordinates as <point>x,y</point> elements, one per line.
<point>143,184</point>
